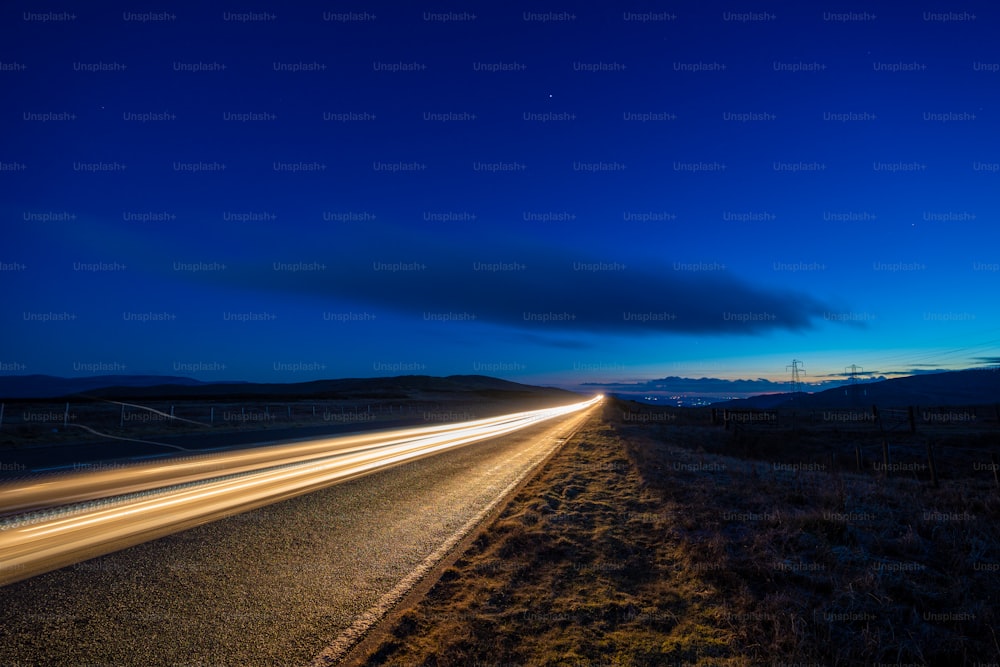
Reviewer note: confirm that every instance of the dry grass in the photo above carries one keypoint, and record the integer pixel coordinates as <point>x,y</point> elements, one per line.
<point>576,571</point>
<point>828,566</point>
<point>635,546</point>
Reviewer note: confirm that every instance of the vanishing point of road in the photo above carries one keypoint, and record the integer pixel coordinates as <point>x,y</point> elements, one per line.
<point>275,584</point>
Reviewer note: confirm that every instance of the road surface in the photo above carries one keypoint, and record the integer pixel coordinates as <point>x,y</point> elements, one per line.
<point>275,585</point>
<point>122,506</point>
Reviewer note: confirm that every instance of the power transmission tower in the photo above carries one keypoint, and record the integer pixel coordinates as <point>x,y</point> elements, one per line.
<point>794,367</point>
<point>854,369</point>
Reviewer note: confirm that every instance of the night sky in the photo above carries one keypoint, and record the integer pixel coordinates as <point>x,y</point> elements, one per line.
<point>553,193</point>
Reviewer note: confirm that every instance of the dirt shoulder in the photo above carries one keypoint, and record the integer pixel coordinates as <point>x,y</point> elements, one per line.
<point>633,546</point>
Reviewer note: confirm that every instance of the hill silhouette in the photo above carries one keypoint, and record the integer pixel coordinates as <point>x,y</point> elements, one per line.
<point>968,387</point>
<point>163,387</point>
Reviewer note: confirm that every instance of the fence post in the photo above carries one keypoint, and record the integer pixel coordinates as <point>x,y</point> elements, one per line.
<point>66,416</point>
<point>885,441</point>
<point>996,475</point>
<point>1,415</point>
<point>212,416</point>
<point>930,464</point>
<point>913,420</point>
<point>857,456</point>
<point>121,420</point>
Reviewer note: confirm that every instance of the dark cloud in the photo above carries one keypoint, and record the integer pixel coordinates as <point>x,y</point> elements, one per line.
<point>885,374</point>
<point>542,291</point>
<point>556,342</point>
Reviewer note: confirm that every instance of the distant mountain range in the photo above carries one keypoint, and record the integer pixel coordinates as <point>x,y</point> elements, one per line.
<point>969,387</point>
<point>162,387</point>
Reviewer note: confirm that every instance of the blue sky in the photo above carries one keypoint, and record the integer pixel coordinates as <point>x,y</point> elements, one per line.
<point>549,194</point>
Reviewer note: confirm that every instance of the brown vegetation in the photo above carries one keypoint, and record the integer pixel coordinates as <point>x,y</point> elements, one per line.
<point>637,546</point>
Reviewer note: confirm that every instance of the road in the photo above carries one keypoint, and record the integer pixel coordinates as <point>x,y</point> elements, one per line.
<point>294,581</point>
<point>132,504</point>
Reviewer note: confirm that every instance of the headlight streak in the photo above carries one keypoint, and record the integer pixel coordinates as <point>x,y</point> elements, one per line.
<point>87,485</point>
<point>158,505</point>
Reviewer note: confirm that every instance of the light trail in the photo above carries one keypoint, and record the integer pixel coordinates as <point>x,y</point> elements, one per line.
<point>151,500</point>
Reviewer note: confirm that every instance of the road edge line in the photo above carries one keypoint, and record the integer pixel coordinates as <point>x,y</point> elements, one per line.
<point>352,646</point>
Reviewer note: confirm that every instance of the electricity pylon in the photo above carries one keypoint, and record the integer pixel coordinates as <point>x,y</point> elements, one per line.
<point>794,367</point>
<point>853,391</point>
<point>854,368</point>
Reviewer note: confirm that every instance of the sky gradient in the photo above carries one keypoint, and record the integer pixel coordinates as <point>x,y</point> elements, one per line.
<point>549,194</point>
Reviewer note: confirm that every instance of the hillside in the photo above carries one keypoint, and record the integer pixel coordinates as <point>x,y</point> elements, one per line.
<point>163,387</point>
<point>969,387</point>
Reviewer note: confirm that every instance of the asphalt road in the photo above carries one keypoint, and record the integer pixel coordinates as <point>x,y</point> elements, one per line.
<point>116,507</point>
<point>272,586</point>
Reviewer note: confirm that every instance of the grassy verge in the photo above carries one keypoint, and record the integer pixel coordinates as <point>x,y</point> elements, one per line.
<point>574,571</point>
<point>635,546</point>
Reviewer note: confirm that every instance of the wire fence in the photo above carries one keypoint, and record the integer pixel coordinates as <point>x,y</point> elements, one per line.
<point>911,418</point>
<point>203,415</point>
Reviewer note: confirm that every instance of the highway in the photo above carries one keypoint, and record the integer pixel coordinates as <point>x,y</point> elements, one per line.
<point>282,584</point>
<point>59,520</point>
